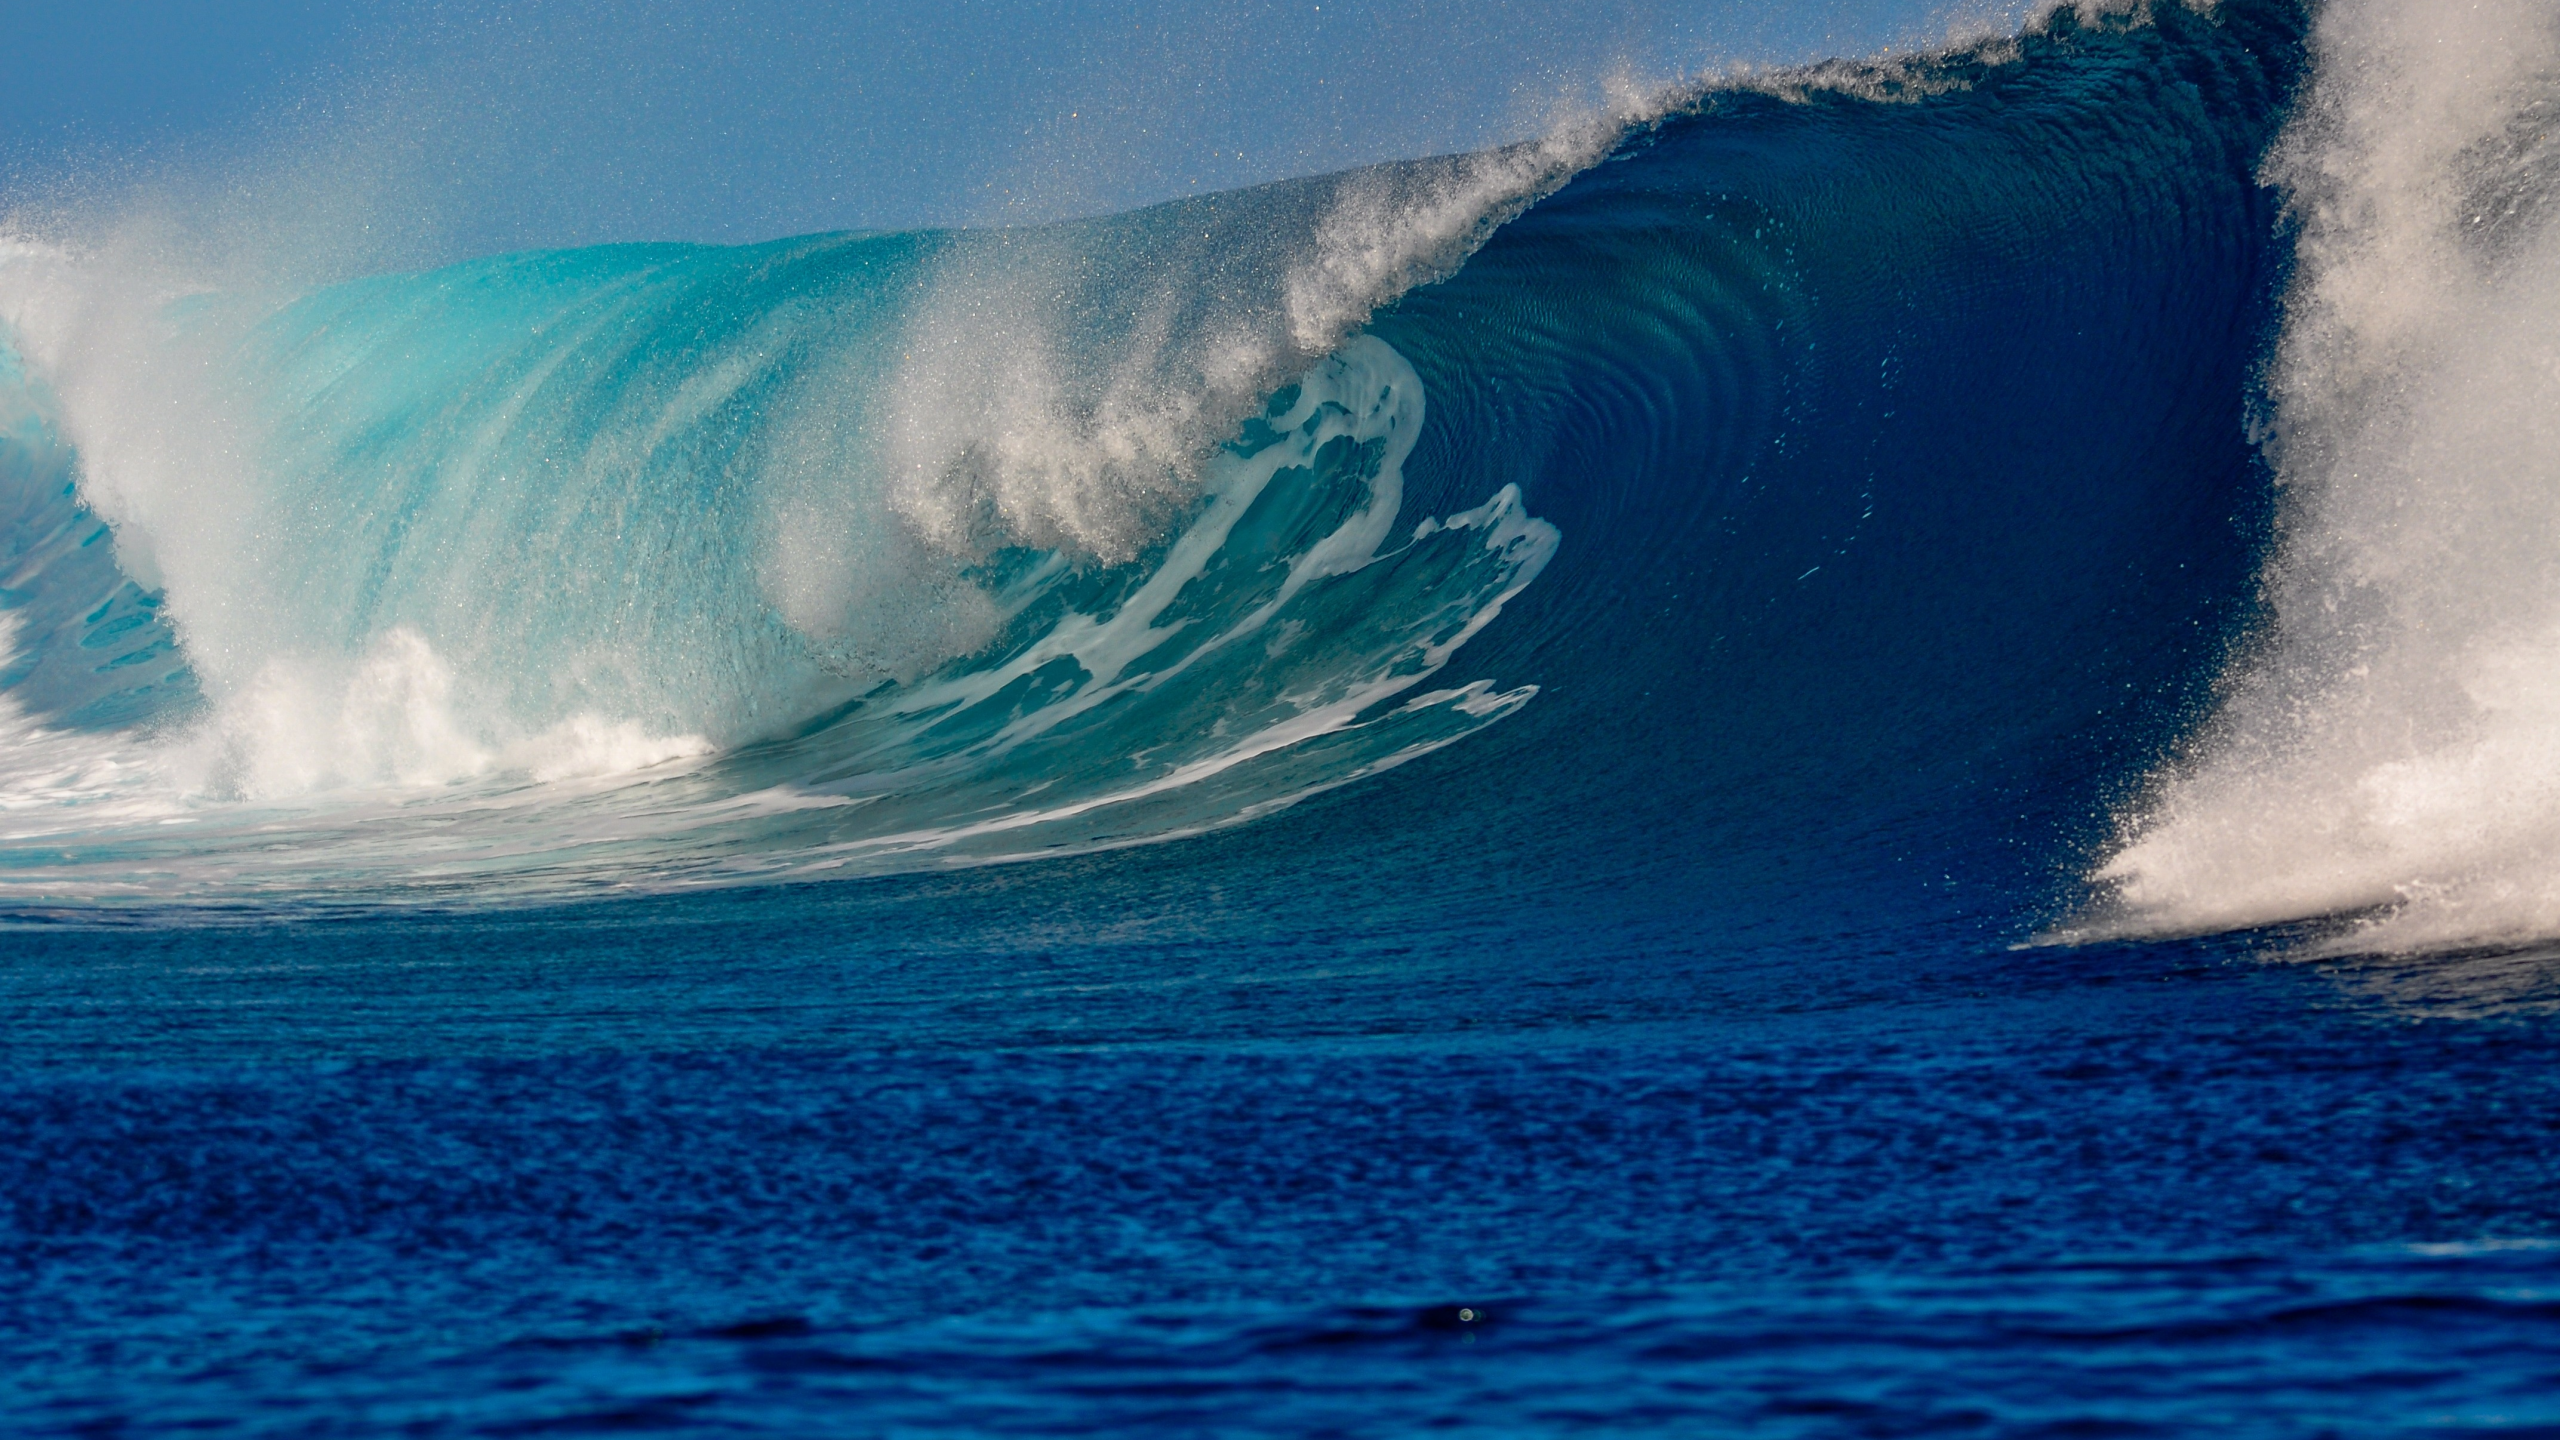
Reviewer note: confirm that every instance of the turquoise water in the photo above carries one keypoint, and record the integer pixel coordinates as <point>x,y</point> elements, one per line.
<point>1568,790</point>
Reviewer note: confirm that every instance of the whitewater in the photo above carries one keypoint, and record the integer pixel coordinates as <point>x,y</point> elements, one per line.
<point>651,565</point>
<point>832,551</point>
<point>2386,752</point>
<point>1824,750</point>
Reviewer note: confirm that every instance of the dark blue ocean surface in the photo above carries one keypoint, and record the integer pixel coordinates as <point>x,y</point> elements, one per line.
<point>942,1162</point>
<point>1875,504</point>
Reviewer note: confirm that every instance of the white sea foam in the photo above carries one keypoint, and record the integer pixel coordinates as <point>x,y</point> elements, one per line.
<point>390,721</point>
<point>1007,425</point>
<point>1044,396</point>
<point>2393,747</point>
<point>394,551</point>
<point>396,762</point>
<point>1366,393</point>
<point>1391,228</point>
<point>139,377</point>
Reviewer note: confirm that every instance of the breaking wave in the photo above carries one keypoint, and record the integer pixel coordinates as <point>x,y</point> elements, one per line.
<point>2111,464</point>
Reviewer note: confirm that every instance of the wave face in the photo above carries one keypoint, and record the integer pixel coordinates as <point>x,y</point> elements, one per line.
<point>1637,635</point>
<point>1848,466</point>
<point>799,556</point>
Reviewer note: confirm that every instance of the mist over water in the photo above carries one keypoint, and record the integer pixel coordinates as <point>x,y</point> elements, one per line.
<point>375,536</point>
<point>2391,741</point>
<point>634,511</point>
<point>900,505</point>
<point>994,718</point>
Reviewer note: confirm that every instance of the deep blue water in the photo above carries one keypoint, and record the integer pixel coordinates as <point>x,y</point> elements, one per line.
<point>947,1161</point>
<point>1665,1050</point>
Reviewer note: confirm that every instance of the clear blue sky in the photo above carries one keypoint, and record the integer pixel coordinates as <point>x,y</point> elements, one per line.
<point>574,121</point>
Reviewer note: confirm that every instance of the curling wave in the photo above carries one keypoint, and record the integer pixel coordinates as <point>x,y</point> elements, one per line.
<point>804,556</point>
<point>1857,473</point>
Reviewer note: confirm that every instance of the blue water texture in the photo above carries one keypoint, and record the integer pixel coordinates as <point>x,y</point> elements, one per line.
<point>1602,1000</point>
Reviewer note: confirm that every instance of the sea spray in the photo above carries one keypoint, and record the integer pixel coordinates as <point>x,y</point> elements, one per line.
<point>2392,744</point>
<point>671,565</point>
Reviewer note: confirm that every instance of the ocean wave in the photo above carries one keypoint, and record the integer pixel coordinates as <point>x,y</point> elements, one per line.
<point>1793,451</point>
<point>2391,747</point>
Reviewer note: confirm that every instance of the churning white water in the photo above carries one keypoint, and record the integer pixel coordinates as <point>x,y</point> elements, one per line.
<point>2392,744</point>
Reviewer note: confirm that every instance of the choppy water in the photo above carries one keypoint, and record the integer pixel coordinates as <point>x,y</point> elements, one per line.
<point>1564,790</point>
